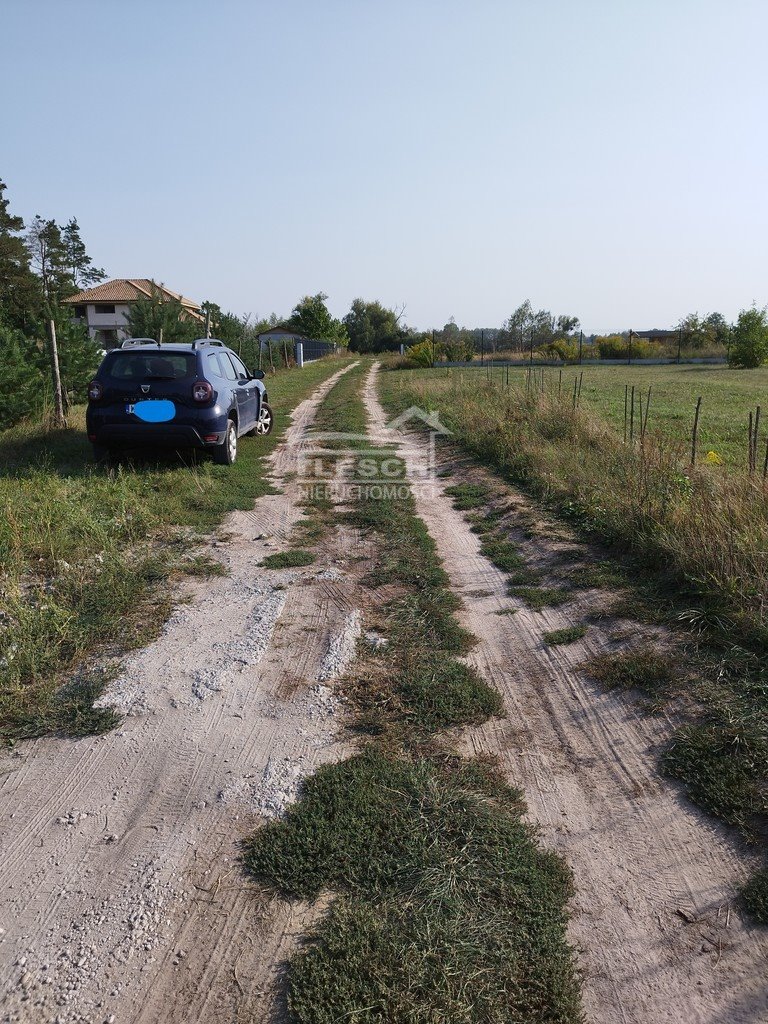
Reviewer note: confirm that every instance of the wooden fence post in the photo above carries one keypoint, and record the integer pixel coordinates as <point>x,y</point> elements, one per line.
<point>632,416</point>
<point>58,393</point>
<point>695,432</point>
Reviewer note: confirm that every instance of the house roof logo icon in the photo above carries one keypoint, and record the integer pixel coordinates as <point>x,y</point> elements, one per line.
<point>429,419</point>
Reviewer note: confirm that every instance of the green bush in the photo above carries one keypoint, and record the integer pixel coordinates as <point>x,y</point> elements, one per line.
<point>423,353</point>
<point>561,348</point>
<point>20,377</point>
<point>614,346</point>
<point>749,347</point>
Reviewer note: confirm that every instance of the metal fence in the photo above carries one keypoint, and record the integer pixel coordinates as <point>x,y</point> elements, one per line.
<point>316,349</point>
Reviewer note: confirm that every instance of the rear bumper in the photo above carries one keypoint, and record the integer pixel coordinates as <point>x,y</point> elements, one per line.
<point>162,435</point>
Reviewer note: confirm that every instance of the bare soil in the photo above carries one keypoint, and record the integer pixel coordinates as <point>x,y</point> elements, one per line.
<point>122,895</point>
<point>654,919</point>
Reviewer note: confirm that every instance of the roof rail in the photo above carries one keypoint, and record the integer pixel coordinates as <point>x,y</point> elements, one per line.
<point>130,342</point>
<point>199,342</point>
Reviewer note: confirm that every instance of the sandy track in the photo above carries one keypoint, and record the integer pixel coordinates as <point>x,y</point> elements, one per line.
<point>642,856</point>
<point>121,895</point>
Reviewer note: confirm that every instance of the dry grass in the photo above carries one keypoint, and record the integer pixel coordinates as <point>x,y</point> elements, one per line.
<point>707,531</point>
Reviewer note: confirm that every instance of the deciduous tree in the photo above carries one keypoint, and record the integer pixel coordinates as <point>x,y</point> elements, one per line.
<point>749,346</point>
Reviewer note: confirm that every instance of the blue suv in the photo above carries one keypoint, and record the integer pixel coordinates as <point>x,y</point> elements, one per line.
<point>197,395</point>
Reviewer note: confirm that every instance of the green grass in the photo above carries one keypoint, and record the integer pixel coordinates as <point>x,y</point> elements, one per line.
<point>446,909</point>
<point>86,554</point>
<point>466,496</point>
<point>722,763</point>
<point>644,668</point>
<point>568,635</point>
<point>290,559</point>
<point>755,896</point>
<point>539,598</point>
<point>504,554</point>
<point>727,397</point>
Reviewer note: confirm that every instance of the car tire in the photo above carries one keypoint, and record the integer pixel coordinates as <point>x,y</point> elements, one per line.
<point>225,454</point>
<point>264,423</point>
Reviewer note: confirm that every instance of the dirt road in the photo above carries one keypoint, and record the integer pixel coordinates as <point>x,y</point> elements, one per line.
<point>659,936</point>
<point>121,897</point>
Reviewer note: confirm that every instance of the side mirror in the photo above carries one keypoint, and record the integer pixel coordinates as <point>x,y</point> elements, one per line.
<point>257,375</point>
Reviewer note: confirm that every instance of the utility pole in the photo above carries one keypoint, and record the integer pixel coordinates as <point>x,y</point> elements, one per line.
<point>629,359</point>
<point>208,322</point>
<point>58,393</point>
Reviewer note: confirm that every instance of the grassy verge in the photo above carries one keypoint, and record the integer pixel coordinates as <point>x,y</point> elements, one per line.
<point>727,398</point>
<point>690,543</point>
<point>86,555</point>
<point>445,908</point>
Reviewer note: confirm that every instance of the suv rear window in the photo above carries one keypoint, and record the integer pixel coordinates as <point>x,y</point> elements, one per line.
<point>151,365</point>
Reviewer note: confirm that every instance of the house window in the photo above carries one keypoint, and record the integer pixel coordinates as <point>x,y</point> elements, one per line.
<point>79,312</point>
<point>104,308</point>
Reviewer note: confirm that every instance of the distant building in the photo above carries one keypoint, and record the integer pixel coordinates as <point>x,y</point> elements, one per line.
<point>104,309</point>
<point>281,334</point>
<point>665,337</point>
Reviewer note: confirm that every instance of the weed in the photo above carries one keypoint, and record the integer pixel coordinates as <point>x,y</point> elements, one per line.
<point>721,762</point>
<point>755,896</point>
<point>503,553</point>
<point>290,559</point>
<point>467,496</point>
<point>202,565</point>
<point>644,668</point>
<point>539,598</point>
<point>569,635</point>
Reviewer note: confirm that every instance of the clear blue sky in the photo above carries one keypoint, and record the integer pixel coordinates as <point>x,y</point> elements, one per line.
<point>605,158</point>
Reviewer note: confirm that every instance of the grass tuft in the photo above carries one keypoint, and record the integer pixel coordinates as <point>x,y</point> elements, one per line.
<point>755,896</point>
<point>290,559</point>
<point>644,668</point>
<point>539,598</point>
<point>569,635</point>
<point>467,496</point>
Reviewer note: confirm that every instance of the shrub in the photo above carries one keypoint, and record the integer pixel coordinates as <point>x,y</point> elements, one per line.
<point>21,382</point>
<point>617,347</point>
<point>561,348</point>
<point>423,353</point>
<point>750,339</point>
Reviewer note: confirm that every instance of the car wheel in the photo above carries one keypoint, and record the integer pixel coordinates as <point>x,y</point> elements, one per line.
<point>265,421</point>
<point>224,454</point>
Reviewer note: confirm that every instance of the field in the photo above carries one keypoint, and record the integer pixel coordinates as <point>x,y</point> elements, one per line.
<point>727,395</point>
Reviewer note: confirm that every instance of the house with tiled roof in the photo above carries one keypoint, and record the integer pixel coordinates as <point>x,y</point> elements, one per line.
<point>104,309</point>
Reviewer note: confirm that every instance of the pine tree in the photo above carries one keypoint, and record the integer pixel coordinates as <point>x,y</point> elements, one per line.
<point>79,264</point>
<point>48,257</point>
<point>19,289</point>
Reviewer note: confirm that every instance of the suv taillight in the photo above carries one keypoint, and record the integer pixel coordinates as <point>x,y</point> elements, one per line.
<point>95,391</point>
<point>202,391</point>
